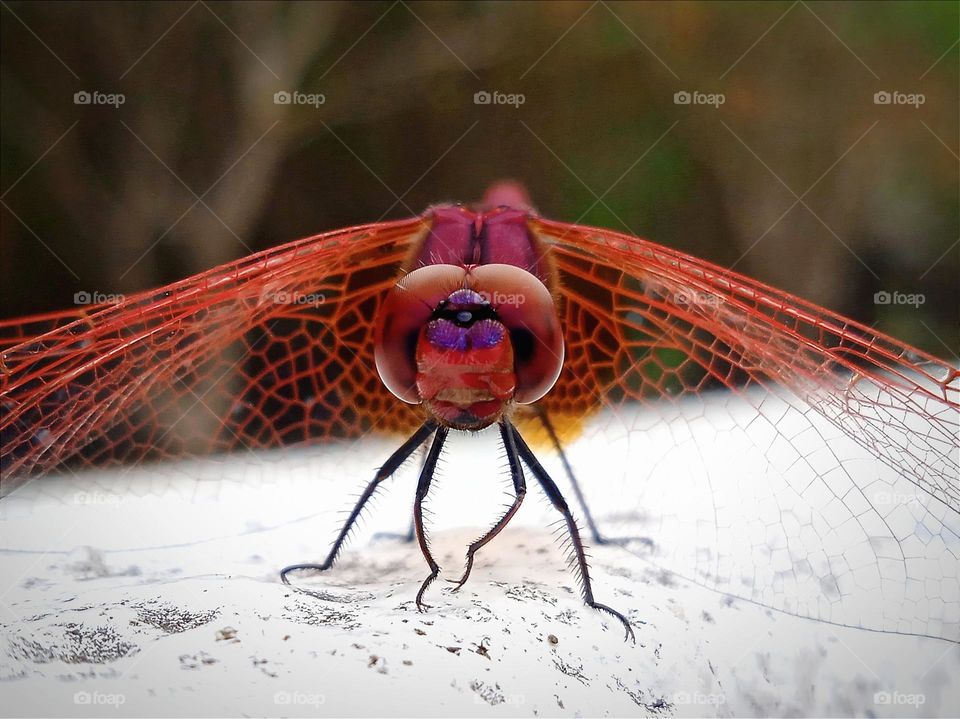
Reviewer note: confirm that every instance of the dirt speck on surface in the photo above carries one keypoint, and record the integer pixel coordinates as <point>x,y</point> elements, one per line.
<point>73,644</point>
<point>529,592</point>
<point>552,638</point>
<point>316,614</point>
<point>195,661</point>
<point>654,705</point>
<point>87,563</point>
<point>571,671</point>
<point>339,598</point>
<point>226,634</point>
<point>172,619</point>
<point>492,695</point>
<point>377,662</point>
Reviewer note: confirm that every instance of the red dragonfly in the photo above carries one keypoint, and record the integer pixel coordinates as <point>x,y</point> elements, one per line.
<point>468,317</point>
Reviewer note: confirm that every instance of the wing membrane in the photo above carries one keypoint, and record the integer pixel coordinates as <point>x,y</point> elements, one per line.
<point>644,322</point>
<point>767,447</point>
<point>272,350</point>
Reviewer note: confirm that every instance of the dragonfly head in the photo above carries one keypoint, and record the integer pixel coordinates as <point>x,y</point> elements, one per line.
<point>468,342</point>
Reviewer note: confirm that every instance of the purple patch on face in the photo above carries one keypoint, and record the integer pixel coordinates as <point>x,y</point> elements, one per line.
<point>466,297</point>
<point>447,335</point>
<point>486,333</point>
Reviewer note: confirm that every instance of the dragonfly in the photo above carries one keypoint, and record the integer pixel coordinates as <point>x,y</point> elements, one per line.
<point>480,316</point>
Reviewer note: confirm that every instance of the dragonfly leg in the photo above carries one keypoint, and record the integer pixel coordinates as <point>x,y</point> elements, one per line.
<point>520,490</point>
<point>423,487</point>
<point>556,498</point>
<point>591,524</point>
<point>411,532</point>
<point>387,470</point>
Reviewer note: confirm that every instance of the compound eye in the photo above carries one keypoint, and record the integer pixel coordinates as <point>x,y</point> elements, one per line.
<point>525,307</point>
<point>408,306</point>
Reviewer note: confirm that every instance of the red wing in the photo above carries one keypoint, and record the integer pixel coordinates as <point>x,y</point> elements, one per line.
<point>272,350</point>
<point>644,322</point>
<point>820,478</point>
<point>16,331</point>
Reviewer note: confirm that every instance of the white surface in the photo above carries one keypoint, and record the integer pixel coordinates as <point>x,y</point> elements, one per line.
<point>115,586</point>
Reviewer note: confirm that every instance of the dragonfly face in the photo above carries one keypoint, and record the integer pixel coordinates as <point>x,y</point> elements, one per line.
<point>468,331</point>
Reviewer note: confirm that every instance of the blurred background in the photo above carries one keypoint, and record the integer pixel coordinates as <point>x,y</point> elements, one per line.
<point>810,145</point>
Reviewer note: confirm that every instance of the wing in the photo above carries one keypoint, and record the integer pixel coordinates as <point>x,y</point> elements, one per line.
<point>820,474</point>
<point>272,350</point>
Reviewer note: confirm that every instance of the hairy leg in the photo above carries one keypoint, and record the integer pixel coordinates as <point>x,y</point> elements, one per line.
<point>520,490</point>
<point>568,469</point>
<point>556,498</point>
<point>423,487</point>
<point>389,467</point>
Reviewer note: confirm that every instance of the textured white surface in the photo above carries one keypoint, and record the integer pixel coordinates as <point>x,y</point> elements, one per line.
<point>156,590</point>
